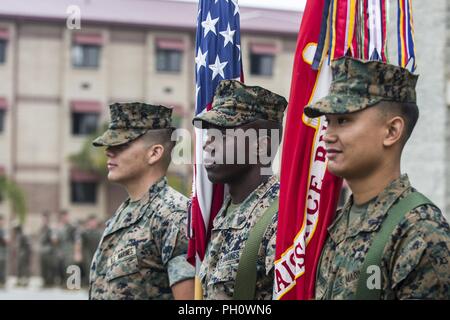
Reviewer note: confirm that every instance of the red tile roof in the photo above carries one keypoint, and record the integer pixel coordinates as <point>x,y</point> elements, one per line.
<point>147,13</point>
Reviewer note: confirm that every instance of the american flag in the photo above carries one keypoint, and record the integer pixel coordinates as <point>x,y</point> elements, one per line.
<point>218,57</point>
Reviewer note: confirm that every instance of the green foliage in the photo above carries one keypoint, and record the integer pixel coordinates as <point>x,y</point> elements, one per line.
<point>179,183</point>
<point>91,158</point>
<point>12,192</point>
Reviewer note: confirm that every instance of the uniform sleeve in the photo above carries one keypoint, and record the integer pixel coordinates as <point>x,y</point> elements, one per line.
<point>174,250</point>
<point>420,267</point>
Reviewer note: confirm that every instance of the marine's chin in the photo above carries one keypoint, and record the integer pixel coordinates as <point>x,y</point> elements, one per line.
<point>113,177</point>
<point>214,173</point>
<point>335,169</point>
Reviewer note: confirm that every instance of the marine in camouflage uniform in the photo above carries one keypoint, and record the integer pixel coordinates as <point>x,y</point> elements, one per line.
<point>235,105</point>
<point>231,229</point>
<point>142,251</point>
<point>88,239</point>
<point>415,262</point>
<point>47,242</point>
<point>23,246</point>
<point>65,235</point>
<point>3,252</point>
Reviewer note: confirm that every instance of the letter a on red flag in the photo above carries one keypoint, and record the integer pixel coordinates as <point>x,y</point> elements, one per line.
<point>309,193</point>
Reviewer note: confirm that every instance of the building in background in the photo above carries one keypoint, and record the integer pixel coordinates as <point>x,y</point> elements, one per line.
<point>56,85</point>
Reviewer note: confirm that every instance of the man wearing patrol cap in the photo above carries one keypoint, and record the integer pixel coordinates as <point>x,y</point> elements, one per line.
<point>142,251</point>
<point>388,241</point>
<point>239,260</point>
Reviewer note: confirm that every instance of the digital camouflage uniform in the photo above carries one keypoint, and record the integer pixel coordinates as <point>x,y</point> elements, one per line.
<point>143,249</point>
<point>48,259</point>
<point>357,85</point>
<point>236,104</point>
<point>228,236</point>
<point>129,121</point>
<point>23,246</point>
<point>65,250</point>
<point>3,256</point>
<point>416,259</point>
<point>88,240</point>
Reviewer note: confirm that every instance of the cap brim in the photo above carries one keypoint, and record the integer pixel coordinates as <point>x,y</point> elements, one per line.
<point>339,104</point>
<point>221,119</point>
<point>116,137</point>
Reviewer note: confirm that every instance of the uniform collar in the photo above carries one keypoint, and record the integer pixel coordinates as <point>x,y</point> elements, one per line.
<point>237,221</point>
<point>371,220</point>
<point>123,220</point>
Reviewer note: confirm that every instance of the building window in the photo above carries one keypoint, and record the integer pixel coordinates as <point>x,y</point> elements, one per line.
<point>261,64</point>
<point>262,58</point>
<point>84,192</point>
<point>2,120</point>
<point>85,55</point>
<point>168,60</point>
<point>3,50</point>
<point>84,122</point>
<point>169,54</point>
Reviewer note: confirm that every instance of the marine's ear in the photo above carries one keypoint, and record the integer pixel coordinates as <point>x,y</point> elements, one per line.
<point>394,131</point>
<point>155,153</point>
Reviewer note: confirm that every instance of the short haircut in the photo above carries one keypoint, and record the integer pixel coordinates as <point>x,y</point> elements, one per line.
<point>271,126</point>
<point>408,111</point>
<point>164,138</point>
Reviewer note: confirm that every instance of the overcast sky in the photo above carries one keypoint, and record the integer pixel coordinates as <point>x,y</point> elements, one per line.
<point>296,5</point>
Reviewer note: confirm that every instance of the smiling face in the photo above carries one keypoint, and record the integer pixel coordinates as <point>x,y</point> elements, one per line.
<point>126,162</point>
<point>355,143</point>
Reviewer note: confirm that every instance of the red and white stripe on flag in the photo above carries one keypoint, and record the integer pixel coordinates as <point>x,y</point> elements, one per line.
<point>308,192</point>
<point>218,57</point>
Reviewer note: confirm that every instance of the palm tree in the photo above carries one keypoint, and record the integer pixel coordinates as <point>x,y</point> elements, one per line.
<point>9,190</point>
<point>90,158</point>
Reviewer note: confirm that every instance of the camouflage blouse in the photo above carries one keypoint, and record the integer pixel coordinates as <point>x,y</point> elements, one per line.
<point>416,259</point>
<point>229,234</point>
<point>142,251</point>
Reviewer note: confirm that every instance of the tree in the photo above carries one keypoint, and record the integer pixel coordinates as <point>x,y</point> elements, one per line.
<point>90,158</point>
<point>9,190</point>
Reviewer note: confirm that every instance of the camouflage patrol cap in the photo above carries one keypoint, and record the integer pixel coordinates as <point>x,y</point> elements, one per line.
<point>129,121</point>
<point>235,104</point>
<point>357,85</point>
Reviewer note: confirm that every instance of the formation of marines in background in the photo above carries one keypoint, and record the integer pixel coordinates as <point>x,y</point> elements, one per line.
<point>59,244</point>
